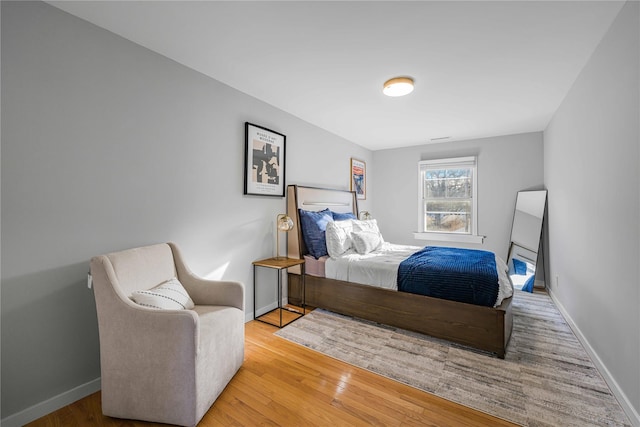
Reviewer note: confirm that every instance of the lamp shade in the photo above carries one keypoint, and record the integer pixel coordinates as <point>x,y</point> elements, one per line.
<point>365,215</point>
<point>284,223</point>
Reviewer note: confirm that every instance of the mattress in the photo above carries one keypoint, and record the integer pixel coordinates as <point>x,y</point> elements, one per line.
<point>380,268</point>
<point>315,267</point>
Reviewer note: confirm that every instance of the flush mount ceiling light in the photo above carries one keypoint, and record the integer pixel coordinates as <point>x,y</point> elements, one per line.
<point>398,86</point>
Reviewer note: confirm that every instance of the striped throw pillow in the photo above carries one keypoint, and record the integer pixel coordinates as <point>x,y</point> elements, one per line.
<point>169,295</point>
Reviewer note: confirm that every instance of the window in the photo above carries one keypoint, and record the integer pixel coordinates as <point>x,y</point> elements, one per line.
<point>447,200</point>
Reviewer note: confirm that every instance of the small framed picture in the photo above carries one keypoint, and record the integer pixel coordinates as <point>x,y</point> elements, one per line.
<point>264,161</point>
<point>359,178</point>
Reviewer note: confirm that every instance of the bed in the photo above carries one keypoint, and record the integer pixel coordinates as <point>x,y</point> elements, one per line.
<point>485,328</point>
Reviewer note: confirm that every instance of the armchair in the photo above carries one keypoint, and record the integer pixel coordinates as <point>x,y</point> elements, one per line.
<point>158,365</point>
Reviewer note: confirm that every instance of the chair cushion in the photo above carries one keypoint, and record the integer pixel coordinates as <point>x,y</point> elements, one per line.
<point>169,295</point>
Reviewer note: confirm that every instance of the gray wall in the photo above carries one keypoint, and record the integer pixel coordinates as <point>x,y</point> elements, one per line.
<point>591,170</point>
<point>506,165</point>
<point>106,146</point>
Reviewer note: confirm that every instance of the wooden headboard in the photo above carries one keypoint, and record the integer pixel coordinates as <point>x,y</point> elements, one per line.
<point>313,199</point>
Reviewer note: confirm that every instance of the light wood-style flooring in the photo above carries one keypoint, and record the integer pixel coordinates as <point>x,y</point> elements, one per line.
<point>281,383</point>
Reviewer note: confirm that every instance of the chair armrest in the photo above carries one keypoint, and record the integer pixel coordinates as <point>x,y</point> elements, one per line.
<point>208,292</point>
<point>147,328</point>
<point>214,292</point>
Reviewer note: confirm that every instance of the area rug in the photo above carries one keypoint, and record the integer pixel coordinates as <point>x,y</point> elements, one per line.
<point>546,378</point>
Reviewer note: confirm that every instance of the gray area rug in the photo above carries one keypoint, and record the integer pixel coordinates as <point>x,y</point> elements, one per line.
<point>546,378</point>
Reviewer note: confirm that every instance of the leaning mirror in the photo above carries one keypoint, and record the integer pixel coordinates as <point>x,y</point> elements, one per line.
<point>525,249</point>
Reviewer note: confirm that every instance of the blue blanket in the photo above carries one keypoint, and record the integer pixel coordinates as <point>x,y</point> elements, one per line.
<point>463,275</point>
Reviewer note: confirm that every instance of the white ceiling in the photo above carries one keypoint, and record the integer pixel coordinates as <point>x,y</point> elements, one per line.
<point>481,68</point>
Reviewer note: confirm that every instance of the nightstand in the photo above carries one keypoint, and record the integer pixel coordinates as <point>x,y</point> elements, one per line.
<point>275,316</point>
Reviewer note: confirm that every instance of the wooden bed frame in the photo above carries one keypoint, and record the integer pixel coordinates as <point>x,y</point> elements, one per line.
<point>483,328</point>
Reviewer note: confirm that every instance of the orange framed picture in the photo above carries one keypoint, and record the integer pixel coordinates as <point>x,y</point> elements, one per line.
<point>359,178</point>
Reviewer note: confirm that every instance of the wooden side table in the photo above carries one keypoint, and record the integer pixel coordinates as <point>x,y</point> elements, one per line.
<point>279,264</point>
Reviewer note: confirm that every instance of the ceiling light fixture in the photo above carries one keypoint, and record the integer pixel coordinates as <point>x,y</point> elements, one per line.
<point>398,86</point>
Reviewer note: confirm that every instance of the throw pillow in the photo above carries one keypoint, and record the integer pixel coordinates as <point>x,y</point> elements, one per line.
<point>365,241</point>
<point>338,237</point>
<point>368,225</point>
<point>341,216</point>
<point>169,295</point>
<point>314,225</point>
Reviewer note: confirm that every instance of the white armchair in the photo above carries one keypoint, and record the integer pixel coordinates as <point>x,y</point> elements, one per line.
<point>158,365</point>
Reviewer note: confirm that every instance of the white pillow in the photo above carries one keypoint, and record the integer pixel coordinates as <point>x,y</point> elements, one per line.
<point>366,241</point>
<point>169,295</point>
<point>338,236</point>
<point>370,225</point>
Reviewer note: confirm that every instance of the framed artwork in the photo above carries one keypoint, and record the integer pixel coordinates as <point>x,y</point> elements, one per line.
<point>264,161</point>
<point>359,178</point>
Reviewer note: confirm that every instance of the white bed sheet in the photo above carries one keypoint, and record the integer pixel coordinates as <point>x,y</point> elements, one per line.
<point>377,268</point>
<point>380,268</point>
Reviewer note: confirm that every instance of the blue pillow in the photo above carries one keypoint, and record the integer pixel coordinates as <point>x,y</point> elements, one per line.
<point>338,216</point>
<point>314,225</point>
<point>520,267</point>
<point>528,285</point>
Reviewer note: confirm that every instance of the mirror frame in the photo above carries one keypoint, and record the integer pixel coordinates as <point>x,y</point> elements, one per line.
<point>536,252</point>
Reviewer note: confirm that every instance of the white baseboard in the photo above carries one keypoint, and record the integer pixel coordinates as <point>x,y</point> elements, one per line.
<point>626,405</point>
<point>249,316</point>
<point>51,405</point>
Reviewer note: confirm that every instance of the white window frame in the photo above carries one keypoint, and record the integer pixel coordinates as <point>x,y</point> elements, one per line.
<point>456,162</point>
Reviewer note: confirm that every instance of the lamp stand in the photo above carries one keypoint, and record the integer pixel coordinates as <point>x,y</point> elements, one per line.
<point>278,244</point>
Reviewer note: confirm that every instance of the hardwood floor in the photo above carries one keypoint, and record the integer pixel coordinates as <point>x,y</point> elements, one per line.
<point>281,383</point>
